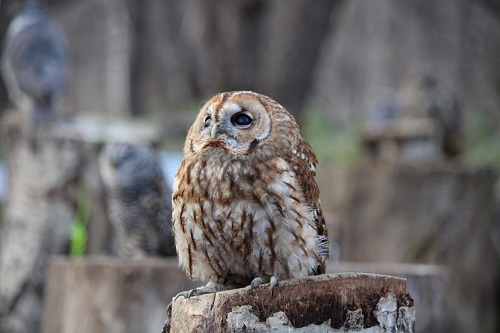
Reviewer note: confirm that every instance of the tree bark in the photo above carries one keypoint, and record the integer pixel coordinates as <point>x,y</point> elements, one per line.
<point>427,285</point>
<point>39,209</point>
<point>348,302</point>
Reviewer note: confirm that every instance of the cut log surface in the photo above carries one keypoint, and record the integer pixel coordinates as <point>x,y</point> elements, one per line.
<point>427,285</point>
<point>347,302</point>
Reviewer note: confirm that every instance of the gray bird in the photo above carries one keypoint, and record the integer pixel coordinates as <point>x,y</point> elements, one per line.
<point>139,200</point>
<point>35,64</point>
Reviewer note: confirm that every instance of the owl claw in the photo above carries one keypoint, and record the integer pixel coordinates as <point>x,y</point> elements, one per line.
<point>186,294</point>
<point>274,283</point>
<point>258,281</point>
<point>208,289</point>
<point>255,283</point>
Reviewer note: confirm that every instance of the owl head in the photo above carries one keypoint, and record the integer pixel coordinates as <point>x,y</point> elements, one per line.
<point>126,164</point>
<point>239,122</point>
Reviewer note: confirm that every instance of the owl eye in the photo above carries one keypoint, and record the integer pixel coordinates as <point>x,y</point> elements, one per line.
<point>207,121</point>
<point>241,119</point>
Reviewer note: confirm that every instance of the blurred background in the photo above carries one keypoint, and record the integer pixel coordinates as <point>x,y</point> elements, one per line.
<point>399,99</point>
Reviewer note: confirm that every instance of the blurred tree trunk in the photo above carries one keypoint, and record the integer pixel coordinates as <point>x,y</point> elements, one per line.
<point>3,28</point>
<point>377,44</point>
<point>143,56</point>
<point>138,19</point>
<point>180,52</point>
<point>289,80</point>
<point>36,221</point>
<point>207,47</point>
<point>429,213</point>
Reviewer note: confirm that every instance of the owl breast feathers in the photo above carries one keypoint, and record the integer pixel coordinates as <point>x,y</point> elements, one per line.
<point>245,202</point>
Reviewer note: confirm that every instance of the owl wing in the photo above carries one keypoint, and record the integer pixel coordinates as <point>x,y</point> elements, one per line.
<point>305,170</point>
<point>156,204</point>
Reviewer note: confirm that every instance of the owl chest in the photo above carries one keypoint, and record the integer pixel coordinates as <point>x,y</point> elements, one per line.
<point>243,223</point>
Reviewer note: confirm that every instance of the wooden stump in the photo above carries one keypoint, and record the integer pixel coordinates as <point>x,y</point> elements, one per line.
<point>427,284</point>
<point>106,294</point>
<point>348,302</point>
<point>47,166</point>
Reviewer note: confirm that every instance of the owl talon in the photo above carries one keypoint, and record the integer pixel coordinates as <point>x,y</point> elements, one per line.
<point>258,281</point>
<point>208,289</point>
<point>255,283</point>
<point>186,294</point>
<point>193,292</point>
<point>274,283</point>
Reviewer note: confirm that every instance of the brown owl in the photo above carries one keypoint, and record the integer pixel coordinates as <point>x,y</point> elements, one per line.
<point>246,206</point>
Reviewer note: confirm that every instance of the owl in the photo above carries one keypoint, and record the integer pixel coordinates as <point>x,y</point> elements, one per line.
<point>422,95</point>
<point>35,61</point>
<point>245,203</point>
<point>139,201</point>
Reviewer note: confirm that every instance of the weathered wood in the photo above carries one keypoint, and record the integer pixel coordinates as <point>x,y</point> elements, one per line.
<point>348,302</point>
<point>36,221</point>
<point>101,294</point>
<point>105,294</point>
<point>427,285</point>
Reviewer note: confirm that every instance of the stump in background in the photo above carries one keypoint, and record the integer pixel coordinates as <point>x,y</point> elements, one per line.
<point>348,302</point>
<point>110,294</point>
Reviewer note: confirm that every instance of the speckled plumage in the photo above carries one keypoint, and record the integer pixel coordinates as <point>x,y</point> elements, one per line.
<point>35,62</point>
<point>245,201</point>
<point>139,205</point>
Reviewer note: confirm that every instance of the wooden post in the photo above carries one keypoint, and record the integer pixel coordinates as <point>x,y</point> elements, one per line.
<point>347,302</point>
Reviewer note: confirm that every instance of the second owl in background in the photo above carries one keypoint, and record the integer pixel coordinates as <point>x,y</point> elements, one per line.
<point>35,62</point>
<point>139,200</point>
<point>246,206</point>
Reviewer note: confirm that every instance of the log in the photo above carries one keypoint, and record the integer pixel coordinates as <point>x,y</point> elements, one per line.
<point>347,302</point>
<point>107,294</point>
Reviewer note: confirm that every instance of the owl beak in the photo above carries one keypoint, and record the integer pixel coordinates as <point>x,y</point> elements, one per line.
<point>213,132</point>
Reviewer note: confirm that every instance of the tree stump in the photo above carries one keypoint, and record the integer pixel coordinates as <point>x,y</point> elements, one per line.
<point>107,294</point>
<point>347,302</point>
<point>427,284</point>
